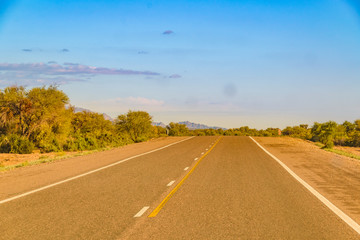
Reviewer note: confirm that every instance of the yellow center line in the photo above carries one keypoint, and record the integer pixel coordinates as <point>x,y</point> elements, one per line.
<point>167,198</point>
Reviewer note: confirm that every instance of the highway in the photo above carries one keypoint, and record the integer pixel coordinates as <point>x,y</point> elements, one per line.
<point>199,188</point>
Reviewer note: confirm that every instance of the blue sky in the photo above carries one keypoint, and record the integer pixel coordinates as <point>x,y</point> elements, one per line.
<point>224,63</point>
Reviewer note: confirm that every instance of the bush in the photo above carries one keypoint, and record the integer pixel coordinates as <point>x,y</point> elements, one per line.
<point>5,146</point>
<point>177,129</point>
<point>77,144</point>
<point>354,141</point>
<point>16,144</point>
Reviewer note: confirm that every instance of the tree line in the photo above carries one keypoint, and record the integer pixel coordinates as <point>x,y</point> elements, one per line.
<point>43,119</point>
<point>176,129</point>
<point>329,133</point>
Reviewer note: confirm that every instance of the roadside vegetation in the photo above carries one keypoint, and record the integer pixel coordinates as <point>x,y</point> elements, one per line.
<point>325,135</point>
<point>176,129</point>
<point>42,119</point>
<point>329,133</point>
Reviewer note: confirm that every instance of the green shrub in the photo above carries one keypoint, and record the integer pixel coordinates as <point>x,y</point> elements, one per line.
<point>15,144</point>
<point>5,146</point>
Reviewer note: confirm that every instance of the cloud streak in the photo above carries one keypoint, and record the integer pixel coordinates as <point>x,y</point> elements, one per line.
<point>139,101</point>
<point>63,50</point>
<point>168,32</point>
<point>68,69</point>
<point>28,79</point>
<point>175,76</point>
<point>45,73</point>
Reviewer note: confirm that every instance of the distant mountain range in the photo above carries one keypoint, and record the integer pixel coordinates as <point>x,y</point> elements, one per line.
<point>107,117</point>
<point>159,124</point>
<point>189,125</point>
<point>193,126</point>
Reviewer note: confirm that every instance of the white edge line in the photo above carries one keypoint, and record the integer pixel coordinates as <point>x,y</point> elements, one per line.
<point>90,172</point>
<point>195,159</point>
<point>186,168</point>
<point>170,183</point>
<point>348,220</point>
<point>141,212</point>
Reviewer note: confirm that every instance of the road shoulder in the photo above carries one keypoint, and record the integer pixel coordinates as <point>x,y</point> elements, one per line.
<point>335,177</point>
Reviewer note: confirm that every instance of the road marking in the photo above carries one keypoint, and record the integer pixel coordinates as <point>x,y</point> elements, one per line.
<point>167,198</point>
<point>186,168</point>
<point>202,153</point>
<point>90,172</point>
<point>206,149</point>
<point>170,183</point>
<point>195,159</point>
<point>348,220</point>
<point>141,212</point>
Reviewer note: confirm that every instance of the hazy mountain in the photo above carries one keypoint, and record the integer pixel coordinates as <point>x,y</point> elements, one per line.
<point>78,109</point>
<point>189,125</point>
<point>193,126</point>
<point>160,124</point>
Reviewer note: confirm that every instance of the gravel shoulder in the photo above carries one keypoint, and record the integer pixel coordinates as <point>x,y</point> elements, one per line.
<point>336,177</point>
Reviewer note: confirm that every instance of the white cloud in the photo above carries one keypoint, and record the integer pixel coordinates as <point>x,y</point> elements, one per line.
<point>144,101</point>
<point>137,101</point>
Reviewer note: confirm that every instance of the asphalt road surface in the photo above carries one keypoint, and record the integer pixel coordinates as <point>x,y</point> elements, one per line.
<point>226,188</point>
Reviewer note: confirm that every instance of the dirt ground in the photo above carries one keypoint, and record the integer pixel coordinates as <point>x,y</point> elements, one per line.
<point>334,176</point>
<point>353,150</point>
<point>8,159</point>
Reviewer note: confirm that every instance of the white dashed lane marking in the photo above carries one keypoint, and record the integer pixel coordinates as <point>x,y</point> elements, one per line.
<point>142,211</point>
<point>170,183</point>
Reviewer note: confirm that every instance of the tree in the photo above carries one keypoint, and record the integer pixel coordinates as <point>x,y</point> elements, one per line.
<point>158,131</point>
<point>357,125</point>
<point>349,127</point>
<point>137,124</point>
<point>14,106</point>
<point>38,116</point>
<point>91,130</point>
<point>325,133</point>
<point>177,129</point>
<point>301,131</point>
<point>48,124</point>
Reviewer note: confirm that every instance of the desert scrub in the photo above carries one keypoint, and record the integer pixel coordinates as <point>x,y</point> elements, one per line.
<point>343,153</point>
<point>15,144</point>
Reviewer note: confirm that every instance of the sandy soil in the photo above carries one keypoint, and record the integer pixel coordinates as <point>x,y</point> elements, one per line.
<point>8,159</point>
<point>353,150</point>
<point>336,177</point>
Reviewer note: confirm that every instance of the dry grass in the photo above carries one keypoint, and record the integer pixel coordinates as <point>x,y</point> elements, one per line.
<point>12,161</point>
<point>351,152</point>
